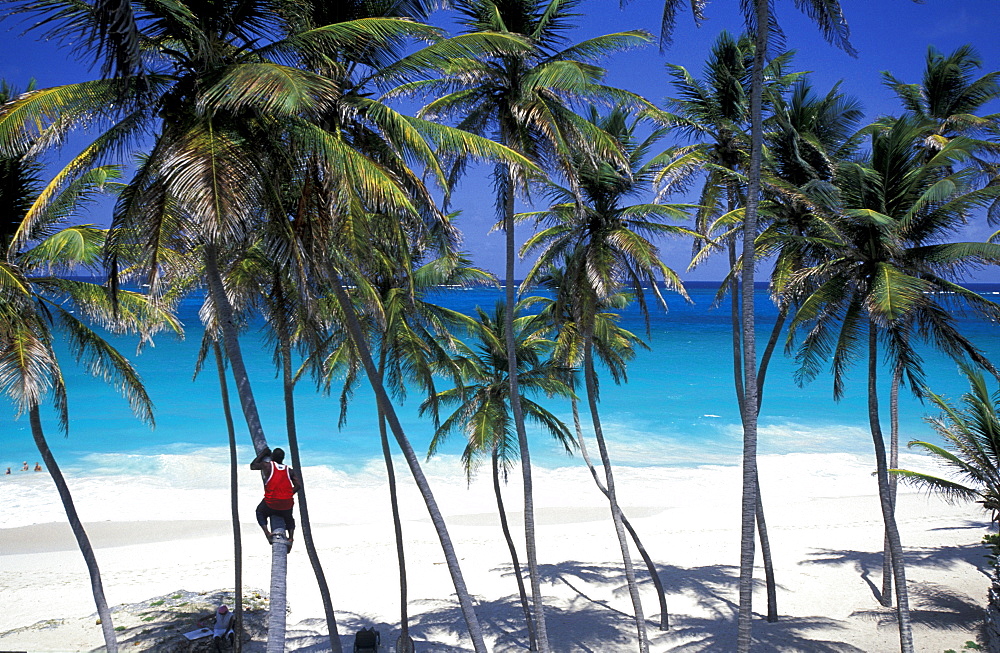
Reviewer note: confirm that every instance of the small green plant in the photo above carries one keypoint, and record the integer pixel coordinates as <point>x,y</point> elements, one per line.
<point>176,596</point>
<point>119,628</point>
<point>970,645</point>
<point>992,542</point>
<point>149,618</point>
<point>155,603</point>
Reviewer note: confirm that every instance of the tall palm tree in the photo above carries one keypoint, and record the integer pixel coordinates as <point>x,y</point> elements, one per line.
<point>604,246</point>
<point>37,305</point>
<point>829,18</point>
<point>889,276</point>
<point>234,499</point>
<point>614,346</point>
<point>715,111</point>
<point>413,339</point>
<point>482,407</point>
<point>946,101</point>
<point>523,101</point>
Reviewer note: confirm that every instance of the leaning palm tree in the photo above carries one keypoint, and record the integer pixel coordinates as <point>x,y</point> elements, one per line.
<point>614,347</point>
<point>829,18</point>
<point>605,246</point>
<point>482,407</point>
<point>888,277</point>
<point>414,339</point>
<point>523,100</point>
<point>37,306</point>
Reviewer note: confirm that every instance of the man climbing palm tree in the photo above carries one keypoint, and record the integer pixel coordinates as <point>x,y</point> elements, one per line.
<point>281,482</point>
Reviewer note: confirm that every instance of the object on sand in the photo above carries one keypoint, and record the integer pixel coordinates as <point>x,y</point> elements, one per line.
<point>198,634</point>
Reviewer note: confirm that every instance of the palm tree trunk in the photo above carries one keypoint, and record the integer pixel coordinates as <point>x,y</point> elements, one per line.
<point>103,613</point>
<point>385,405</point>
<point>230,339</point>
<point>650,567</point>
<point>765,543</point>
<point>279,581</point>
<point>897,376</point>
<point>522,437</point>
<point>525,606</point>
<point>765,358</point>
<point>616,515</point>
<point>885,498</point>
<point>765,552</point>
<point>405,644</point>
<point>282,329</point>
<point>744,636</point>
<point>234,496</point>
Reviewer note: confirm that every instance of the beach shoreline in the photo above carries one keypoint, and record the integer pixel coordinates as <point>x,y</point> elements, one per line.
<point>822,513</point>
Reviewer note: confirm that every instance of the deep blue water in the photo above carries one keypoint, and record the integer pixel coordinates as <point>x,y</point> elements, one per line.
<point>678,407</point>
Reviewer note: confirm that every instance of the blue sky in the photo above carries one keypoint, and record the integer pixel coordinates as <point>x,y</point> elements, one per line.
<point>889,35</point>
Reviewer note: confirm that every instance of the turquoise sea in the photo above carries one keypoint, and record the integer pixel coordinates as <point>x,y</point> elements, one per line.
<point>677,409</point>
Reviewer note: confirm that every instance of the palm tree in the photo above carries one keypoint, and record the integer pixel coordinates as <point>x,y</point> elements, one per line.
<point>604,246</point>
<point>234,499</point>
<point>946,102</point>
<point>715,110</point>
<point>522,99</point>
<point>482,407</point>
<point>413,338</point>
<point>971,432</point>
<point>614,346</point>
<point>888,274</point>
<point>36,305</point>
<point>828,16</point>
<point>948,99</point>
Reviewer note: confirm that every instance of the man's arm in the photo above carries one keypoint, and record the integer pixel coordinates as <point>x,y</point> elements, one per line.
<point>296,481</point>
<point>258,462</point>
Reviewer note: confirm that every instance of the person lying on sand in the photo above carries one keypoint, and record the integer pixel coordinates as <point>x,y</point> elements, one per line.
<point>281,482</point>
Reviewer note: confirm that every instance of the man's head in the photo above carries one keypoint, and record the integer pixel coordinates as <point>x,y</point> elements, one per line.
<point>278,455</point>
<point>223,609</point>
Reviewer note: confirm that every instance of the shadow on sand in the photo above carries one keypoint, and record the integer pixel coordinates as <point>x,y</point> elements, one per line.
<point>583,620</point>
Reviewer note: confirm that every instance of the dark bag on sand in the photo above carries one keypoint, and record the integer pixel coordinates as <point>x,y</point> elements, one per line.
<point>366,639</point>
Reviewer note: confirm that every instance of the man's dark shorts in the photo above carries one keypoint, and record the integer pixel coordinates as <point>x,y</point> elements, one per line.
<point>264,511</point>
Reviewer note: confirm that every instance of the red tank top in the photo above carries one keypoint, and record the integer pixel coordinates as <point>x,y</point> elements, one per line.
<point>278,488</point>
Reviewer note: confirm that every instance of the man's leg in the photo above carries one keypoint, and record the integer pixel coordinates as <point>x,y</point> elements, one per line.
<point>263,512</point>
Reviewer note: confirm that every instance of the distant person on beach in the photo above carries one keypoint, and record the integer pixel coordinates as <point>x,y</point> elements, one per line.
<point>38,468</point>
<point>8,470</point>
<point>24,467</point>
<point>223,629</point>
<point>281,482</point>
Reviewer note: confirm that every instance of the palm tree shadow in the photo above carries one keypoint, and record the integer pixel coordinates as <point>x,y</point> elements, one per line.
<point>691,634</point>
<point>935,607</point>
<point>708,584</point>
<point>940,557</point>
<point>578,628</point>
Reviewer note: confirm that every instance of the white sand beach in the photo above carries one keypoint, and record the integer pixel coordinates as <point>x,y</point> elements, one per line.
<point>822,513</point>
